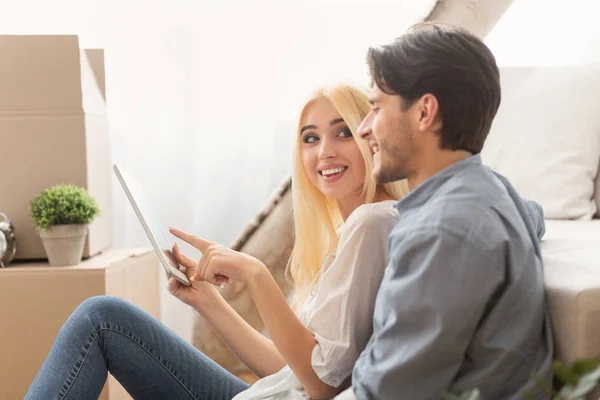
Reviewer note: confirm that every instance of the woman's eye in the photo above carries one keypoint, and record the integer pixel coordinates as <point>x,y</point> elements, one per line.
<point>346,133</point>
<point>310,139</point>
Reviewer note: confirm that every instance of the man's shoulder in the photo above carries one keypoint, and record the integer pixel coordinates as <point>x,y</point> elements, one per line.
<point>458,215</point>
<point>463,208</point>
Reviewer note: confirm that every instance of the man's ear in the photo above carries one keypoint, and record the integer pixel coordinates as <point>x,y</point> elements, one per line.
<point>428,113</point>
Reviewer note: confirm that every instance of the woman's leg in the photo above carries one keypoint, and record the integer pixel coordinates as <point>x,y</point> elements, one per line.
<point>109,334</point>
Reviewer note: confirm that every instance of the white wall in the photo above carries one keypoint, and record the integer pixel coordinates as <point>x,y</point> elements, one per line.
<point>547,32</point>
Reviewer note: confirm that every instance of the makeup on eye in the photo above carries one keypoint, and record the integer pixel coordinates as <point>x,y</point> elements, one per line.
<point>346,131</point>
<point>310,137</point>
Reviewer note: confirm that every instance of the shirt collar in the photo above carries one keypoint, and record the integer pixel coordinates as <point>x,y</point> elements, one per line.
<point>422,193</point>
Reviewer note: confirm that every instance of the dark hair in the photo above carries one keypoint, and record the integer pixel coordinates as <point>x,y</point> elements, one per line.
<point>451,64</point>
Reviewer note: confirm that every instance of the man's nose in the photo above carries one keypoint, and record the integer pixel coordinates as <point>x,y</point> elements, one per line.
<point>327,149</point>
<point>364,130</point>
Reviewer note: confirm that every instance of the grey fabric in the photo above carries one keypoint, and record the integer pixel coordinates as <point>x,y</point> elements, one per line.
<point>462,304</point>
<point>597,192</point>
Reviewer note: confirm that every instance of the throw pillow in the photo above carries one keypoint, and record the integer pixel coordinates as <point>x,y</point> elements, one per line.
<point>546,137</point>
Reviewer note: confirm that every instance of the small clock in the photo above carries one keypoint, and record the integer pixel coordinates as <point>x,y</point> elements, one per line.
<point>8,242</point>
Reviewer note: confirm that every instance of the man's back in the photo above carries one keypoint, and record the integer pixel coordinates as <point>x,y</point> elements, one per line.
<point>461,305</point>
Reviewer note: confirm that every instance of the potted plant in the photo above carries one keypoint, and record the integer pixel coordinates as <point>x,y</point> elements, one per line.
<point>572,382</point>
<point>61,215</point>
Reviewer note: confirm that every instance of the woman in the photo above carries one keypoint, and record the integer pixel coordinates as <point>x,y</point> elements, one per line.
<point>342,220</point>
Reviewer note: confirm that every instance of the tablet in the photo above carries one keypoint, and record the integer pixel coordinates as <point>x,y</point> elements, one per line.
<point>159,237</point>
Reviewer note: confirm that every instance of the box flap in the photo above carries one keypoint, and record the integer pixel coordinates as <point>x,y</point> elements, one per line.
<point>92,82</point>
<point>40,74</point>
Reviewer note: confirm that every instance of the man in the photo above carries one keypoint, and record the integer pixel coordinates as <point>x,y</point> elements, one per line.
<point>461,305</point>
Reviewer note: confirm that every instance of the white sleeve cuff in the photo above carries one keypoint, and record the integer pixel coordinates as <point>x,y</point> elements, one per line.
<point>330,361</point>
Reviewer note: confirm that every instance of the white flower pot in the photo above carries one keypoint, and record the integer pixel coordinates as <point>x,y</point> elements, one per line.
<point>64,243</point>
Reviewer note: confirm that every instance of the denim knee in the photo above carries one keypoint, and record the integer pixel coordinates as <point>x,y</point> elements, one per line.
<point>101,304</point>
<point>101,310</point>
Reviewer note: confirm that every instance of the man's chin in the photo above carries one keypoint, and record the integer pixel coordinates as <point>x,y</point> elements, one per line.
<point>378,176</point>
<point>381,177</point>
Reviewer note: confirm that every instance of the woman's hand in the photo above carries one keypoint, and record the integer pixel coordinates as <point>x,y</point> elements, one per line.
<point>201,294</point>
<point>220,264</point>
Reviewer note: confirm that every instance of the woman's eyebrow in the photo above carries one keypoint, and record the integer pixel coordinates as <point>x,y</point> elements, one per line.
<point>331,123</point>
<point>307,127</point>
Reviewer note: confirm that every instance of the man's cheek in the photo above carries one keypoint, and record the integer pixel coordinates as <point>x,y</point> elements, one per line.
<point>376,129</point>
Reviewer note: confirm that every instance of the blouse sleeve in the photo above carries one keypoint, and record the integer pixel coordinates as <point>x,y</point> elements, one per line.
<point>341,312</point>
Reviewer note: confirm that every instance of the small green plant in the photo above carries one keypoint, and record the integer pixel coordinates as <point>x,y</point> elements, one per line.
<point>577,380</point>
<point>574,382</point>
<point>61,205</point>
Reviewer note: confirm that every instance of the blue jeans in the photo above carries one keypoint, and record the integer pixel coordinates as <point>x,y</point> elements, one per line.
<point>106,334</point>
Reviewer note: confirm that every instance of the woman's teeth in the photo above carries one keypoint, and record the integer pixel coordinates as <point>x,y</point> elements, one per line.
<point>333,171</point>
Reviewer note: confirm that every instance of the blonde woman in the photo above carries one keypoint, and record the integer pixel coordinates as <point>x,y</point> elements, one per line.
<point>342,221</point>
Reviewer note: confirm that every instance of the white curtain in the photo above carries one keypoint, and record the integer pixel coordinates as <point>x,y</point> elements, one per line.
<point>203,99</point>
<point>202,96</point>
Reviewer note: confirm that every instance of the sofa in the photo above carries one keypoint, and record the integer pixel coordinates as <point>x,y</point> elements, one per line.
<point>546,141</point>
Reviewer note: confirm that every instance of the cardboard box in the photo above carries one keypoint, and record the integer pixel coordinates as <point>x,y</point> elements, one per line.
<point>36,300</point>
<point>53,129</point>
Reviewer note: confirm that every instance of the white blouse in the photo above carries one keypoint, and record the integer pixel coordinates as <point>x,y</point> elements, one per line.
<point>340,311</point>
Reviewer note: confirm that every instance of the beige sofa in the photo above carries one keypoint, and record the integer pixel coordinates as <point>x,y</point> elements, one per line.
<point>571,251</point>
<point>546,141</point>
<point>549,148</point>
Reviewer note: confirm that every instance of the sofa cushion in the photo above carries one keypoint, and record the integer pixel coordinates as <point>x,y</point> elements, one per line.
<point>571,253</point>
<point>597,189</point>
<point>546,137</point>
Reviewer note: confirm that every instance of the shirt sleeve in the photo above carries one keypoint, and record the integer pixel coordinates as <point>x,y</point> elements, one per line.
<point>429,304</point>
<point>536,216</point>
<point>534,211</point>
<point>342,309</point>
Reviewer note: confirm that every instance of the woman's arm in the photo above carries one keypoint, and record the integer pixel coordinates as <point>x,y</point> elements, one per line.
<point>251,347</point>
<point>293,340</point>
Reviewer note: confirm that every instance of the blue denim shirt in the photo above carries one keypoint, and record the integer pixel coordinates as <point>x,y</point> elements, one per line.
<point>462,303</point>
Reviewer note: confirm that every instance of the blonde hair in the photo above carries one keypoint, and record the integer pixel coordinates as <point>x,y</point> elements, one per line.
<point>316,216</point>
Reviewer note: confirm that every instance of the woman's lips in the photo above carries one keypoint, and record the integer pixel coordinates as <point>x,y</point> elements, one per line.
<point>333,175</point>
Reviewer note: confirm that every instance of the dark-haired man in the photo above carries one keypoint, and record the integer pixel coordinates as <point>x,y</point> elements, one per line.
<point>461,305</point>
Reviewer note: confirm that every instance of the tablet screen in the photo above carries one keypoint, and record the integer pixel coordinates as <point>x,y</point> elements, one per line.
<point>158,235</point>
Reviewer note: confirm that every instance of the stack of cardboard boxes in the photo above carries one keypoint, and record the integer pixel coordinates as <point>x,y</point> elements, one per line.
<point>54,129</point>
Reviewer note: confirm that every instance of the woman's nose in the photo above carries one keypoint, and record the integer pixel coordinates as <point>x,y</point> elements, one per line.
<point>327,150</point>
